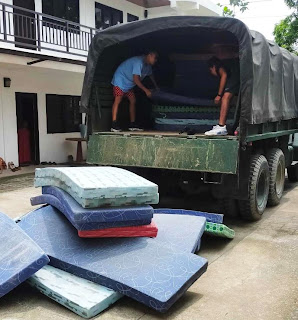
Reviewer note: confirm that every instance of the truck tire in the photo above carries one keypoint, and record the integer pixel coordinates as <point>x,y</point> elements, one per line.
<point>253,208</point>
<point>293,173</point>
<point>229,207</point>
<point>276,161</point>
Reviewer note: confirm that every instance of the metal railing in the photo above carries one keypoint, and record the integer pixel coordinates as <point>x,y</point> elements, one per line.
<point>37,31</point>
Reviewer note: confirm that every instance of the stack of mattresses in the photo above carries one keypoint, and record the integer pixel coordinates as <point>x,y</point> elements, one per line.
<point>88,275</point>
<point>100,201</point>
<point>177,118</point>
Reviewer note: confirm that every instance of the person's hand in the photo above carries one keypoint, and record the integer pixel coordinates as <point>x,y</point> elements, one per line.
<point>217,99</point>
<point>148,93</point>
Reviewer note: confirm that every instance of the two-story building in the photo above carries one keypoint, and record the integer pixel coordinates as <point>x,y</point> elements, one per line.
<point>43,51</point>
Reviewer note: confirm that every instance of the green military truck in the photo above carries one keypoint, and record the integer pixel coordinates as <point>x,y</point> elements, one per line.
<point>245,169</point>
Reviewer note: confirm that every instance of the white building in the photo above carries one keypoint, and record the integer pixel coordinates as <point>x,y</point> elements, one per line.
<point>43,50</point>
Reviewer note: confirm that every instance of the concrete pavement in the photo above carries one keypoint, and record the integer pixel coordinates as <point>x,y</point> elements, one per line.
<point>254,276</point>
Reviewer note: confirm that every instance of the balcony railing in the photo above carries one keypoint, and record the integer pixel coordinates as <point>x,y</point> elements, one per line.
<point>37,31</point>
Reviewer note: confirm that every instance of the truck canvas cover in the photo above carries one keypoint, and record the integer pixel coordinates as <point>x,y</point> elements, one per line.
<point>268,73</point>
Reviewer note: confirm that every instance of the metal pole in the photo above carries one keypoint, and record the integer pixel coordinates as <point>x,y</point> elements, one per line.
<point>38,32</point>
<point>67,37</point>
<point>4,22</point>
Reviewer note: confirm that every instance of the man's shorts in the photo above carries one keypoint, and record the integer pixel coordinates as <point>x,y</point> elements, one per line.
<point>119,93</point>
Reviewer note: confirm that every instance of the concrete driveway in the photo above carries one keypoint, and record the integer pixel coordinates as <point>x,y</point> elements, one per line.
<point>254,276</point>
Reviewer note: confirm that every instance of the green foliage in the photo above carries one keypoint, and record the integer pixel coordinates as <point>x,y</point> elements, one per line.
<point>293,4</point>
<point>241,4</point>
<point>286,31</point>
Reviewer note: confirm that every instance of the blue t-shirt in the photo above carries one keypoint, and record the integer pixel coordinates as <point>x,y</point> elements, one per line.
<point>123,76</point>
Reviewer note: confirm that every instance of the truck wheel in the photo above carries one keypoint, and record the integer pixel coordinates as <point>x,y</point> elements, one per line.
<point>276,161</point>
<point>229,207</point>
<point>293,173</point>
<point>253,208</point>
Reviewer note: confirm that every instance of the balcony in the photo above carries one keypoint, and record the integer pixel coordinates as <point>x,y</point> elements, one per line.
<point>26,30</point>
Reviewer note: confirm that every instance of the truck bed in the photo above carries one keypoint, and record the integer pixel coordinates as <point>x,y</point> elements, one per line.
<point>154,133</point>
<point>165,150</point>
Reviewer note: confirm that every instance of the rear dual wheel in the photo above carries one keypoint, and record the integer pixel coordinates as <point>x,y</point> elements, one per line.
<point>276,161</point>
<point>255,205</point>
<point>266,184</point>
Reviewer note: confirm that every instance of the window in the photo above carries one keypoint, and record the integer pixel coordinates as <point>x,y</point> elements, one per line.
<point>131,18</point>
<point>63,113</point>
<point>64,9</point>
<point>106,17</point>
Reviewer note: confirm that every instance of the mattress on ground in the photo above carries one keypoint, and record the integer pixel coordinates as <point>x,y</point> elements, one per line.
<point>160,96</point>
<point>149,230</point>
<point>219,230</point>
<point>210,217</point>
<point>85,298</point>
<point>20,257</point>
<point>123,264</point>
<point>99,186</point>
<point>79,214</point>
<point>179,232</point>
<point>85,225</point>
<point>88,219</point>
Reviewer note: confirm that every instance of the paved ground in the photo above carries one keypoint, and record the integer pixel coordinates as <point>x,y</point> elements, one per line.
<point>254,276</point>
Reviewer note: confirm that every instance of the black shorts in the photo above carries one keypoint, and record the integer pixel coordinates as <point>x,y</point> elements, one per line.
<point>233,83</point>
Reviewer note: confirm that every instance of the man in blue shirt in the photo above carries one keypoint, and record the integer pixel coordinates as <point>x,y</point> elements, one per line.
<point>129,74</point>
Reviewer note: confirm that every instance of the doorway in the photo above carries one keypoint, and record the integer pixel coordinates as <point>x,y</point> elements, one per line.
<point>24,24</point>
<point>28,133</point>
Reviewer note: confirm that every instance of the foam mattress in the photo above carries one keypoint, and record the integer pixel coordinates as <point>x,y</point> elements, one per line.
<point>125,264</point>
<point>219,230</point>
<point>85,298</point>
<point>160,96</point>
<point>20,257</point>
<point>92,219</point>
<point>210,217</point>
<point>95,187</point>
<point>123,232</point>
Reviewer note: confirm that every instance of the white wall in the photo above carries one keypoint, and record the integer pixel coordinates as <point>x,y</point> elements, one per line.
<point>42,81</point>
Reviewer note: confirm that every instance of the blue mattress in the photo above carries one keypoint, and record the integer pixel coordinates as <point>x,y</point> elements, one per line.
<point>179,232</point>
<point>94,187</point>
<point>210,217</point>
<point>188,115</point>
<point>53,201</point>
<point>142,268</point>
<point>20,257</point>
<point>181,127</point>
<point>91,219</point>
<point>176,99</point>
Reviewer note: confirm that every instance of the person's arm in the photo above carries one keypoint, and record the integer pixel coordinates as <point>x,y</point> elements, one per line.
<point>223,80</point>
<point>138,82</point>
<point>153,81</point>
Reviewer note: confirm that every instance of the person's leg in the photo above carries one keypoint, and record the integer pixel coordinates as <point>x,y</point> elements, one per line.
<point>117,101</point>
<point>224,108</point>
<point>132,106</point>
<point>132,112</point>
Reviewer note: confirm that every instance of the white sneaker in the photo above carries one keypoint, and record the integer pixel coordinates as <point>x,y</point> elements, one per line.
<point>217,131</point>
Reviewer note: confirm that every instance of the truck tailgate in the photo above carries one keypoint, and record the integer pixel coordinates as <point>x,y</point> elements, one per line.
<point>165,151</point>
